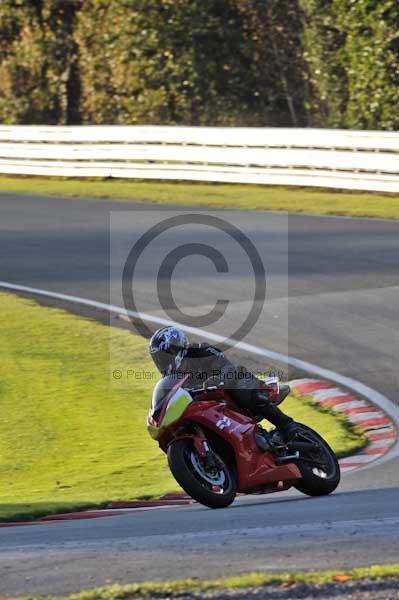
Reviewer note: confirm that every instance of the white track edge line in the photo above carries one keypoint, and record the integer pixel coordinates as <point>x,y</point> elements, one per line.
<point>361,457</point>
<point>375,397</point>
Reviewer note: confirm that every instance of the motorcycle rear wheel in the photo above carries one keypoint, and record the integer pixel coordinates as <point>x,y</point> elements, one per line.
<point>215,489</point>
<point>316,480</point>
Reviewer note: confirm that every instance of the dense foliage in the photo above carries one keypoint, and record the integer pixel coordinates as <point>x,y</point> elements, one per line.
<point>163,61</point>
<point>216,62</point>
<point>352,49</point>
<point>39,69</point>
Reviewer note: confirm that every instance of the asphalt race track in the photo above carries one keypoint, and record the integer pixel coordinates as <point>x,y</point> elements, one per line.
<point>339,310</point>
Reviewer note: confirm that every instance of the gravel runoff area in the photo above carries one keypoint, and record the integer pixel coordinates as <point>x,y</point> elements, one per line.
<point>364,589</point>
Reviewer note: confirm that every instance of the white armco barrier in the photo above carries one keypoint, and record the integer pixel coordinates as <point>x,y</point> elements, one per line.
<point>359,160</point>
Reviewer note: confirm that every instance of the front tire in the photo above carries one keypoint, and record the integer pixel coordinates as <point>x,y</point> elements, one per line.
<point>215,489</point>
<point>317,480</point>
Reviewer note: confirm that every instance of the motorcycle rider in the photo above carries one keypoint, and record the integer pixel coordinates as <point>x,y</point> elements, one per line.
<point>172,354</point>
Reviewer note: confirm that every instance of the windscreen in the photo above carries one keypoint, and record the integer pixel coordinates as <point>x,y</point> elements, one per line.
<point>161,392</point>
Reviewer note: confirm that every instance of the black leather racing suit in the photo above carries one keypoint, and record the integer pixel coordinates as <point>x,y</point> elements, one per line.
<point>203,361</point>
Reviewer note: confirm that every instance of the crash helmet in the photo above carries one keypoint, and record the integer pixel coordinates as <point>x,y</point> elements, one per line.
<point>168,346</point>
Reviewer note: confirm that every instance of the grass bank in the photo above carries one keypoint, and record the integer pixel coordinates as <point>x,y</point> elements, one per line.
<point>250,197</point>
<point>251,580</point>
<point>74,395</point>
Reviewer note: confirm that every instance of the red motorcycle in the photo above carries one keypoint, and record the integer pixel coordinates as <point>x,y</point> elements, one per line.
<point>215,450</point>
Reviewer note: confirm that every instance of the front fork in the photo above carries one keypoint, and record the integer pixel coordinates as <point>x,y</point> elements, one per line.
<point>201,446</point>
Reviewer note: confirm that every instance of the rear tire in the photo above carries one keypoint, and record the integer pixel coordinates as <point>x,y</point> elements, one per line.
<point>191,475</point>
<point>316,481</point>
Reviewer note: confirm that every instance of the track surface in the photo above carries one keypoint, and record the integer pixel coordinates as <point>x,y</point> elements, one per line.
<point>342,313</point>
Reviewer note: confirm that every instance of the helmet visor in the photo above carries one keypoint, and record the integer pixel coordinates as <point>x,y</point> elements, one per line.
<point>164,361</point>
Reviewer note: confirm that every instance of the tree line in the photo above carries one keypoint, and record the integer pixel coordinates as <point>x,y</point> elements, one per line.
<point>318,63</point>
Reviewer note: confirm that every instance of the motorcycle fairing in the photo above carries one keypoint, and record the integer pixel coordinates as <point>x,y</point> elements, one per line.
<point>172,411</point>
<point>254,468</point>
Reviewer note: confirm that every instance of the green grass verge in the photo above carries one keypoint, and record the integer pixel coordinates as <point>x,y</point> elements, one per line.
<point>73,437</point>
<point>165,589</point>
<point>251,197</point>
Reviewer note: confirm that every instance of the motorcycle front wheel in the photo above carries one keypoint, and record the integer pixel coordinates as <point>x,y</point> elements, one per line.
<point>214,487</point>
<point>319,467</point>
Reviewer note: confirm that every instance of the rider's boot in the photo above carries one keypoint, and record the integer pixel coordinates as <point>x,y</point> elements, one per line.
<point>289,431</point>
<point>285,425</point>
<point>261,439</point>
